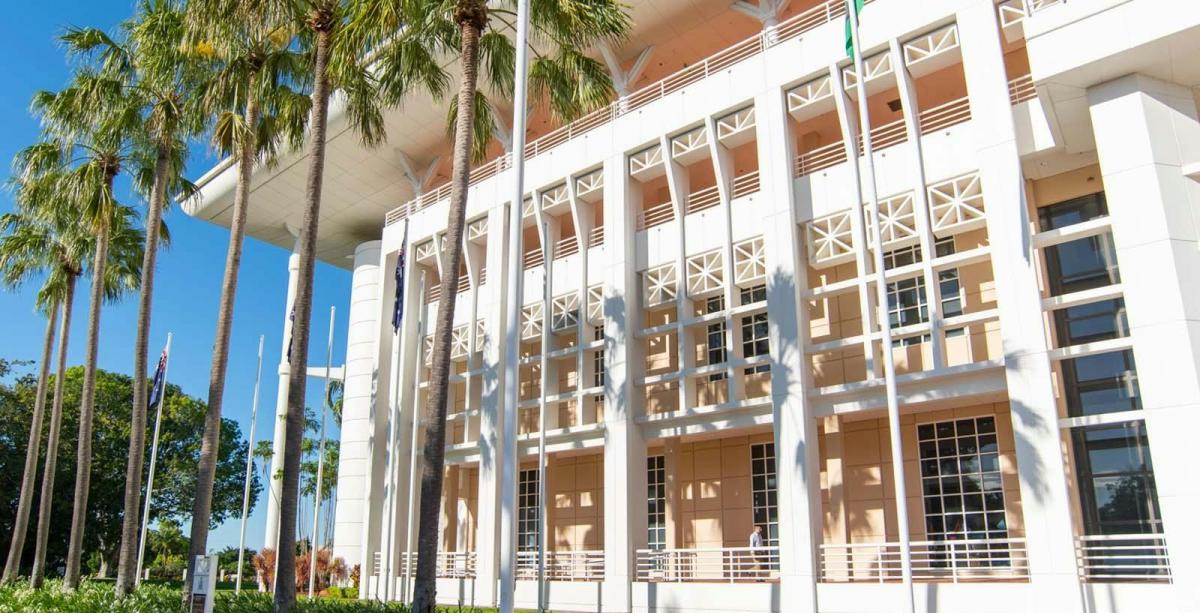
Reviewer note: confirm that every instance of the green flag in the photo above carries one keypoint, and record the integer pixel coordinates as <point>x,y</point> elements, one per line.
<point>858,5</point>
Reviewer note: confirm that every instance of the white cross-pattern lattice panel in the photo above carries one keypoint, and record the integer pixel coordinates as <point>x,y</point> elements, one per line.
<point>705,274</point>
<point>689,142</point>
<point>459,342</point>
<point>807,93</point>
<point>555,196</point>
<point>564,311</point>
<point>735,123</point>
<point>428,342</point>
<point>531,321</point>
<point>897,222</point>
<point>425,250</point>
<point>749,262</point>
<point>659,285</point>
<point>935,43</point>
<point>830,239</point>
<point>646,163</point>
<point>956,205</point>
<point>590,184</point>
<point>878,65</point>
<point>481,337</point>
<point>477,229</point>
<point>595,306</point>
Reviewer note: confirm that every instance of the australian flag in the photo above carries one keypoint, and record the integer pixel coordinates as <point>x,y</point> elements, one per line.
<point>398,307</point>
<point>160,374</point>
<point>291,318</point>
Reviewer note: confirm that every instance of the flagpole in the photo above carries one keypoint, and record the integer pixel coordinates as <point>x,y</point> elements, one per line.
<point>512,312</point>
<point>889,365</point>
<point>546,323</point>
<point>237,588</point>
<point>312,556</point>
<point>137,580</point>
<point>387,543</point>
<point>412,461</point>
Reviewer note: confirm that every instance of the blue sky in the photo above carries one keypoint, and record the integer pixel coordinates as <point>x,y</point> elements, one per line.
<point>188,282</point>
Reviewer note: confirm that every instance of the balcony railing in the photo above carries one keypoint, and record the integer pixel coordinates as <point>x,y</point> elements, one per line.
<point>820,158</point>
<point>1021,89</point>
<point>817,16</point>
<point>935,561</point>
<point>562,565</point>
<point>450,564</point>
<point>745,185</point>
<point>726,565</point>
<point>596,238</point>
<point>565,246</point>
<point>1123,557</point>
<point>533,257</point>
<point>704,198</point>
<point>945,115</point>
<point>656,215</point>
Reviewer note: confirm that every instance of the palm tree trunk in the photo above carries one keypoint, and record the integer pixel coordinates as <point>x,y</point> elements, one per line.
<point>13,565</point>
<point>47,493</point>
<point>285,573</point>
<point>131,520</point>
<point>83,466</point>
<point>471,15</point>
<point>211,441</point>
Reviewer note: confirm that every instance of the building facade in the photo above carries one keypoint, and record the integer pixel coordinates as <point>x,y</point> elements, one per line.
<point>699,325</point>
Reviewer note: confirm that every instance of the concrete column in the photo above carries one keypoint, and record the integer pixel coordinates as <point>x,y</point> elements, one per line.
<point>624,449</point>
<point>1146,131</point>
<point>492,439</point>
<point>275,486</point>
<point>1045,498</point>
<point>795,430</point>
<point>358,404</point>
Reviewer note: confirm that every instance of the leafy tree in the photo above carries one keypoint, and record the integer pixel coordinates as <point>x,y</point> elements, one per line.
<point>175,480</point>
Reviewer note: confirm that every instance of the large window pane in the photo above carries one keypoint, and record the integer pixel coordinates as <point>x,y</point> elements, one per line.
<point>1116,479</point>
<point>1088,323</point>
<point>1103,383</point>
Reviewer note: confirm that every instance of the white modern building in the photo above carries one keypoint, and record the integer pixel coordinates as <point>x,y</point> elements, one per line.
<point>707,347</point>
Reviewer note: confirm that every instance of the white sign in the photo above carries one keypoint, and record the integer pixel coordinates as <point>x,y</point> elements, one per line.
<point>204,585</point>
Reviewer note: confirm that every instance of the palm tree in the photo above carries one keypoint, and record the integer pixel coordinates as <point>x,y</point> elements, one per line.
<point>255,106</point>
<point>561,76</point>
<point>165,78</point>
<point>45,238</point>
<point>91,127</point>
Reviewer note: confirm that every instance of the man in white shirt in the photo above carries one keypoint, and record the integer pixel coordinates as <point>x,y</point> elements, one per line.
<point>758,553</point>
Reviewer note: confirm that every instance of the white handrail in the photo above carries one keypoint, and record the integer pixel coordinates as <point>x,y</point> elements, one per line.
<point>949,561</point>
<point>1123,557</point>
<point>716,565</point>
<point>562,565</point>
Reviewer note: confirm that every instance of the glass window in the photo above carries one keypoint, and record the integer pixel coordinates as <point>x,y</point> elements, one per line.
<point>763,491</point>
<point>906,302</point>
<point>1080,264</point>
<point>901,257</point>
<point>1116,479</point>
<point>715,335</point>
<point>528,510</point>
<point>754,329</point>
<point>599,370</point>
<point>1101,383</point>
<point>656,502</point>
<point>1087,323</point>
<point>961,486</point>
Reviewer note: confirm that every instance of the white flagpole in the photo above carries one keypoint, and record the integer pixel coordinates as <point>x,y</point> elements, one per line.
<point>546,323</point>
<point>387,545</point>
<point>512,349</point>
<point>312,555</point>
<point>889,365</point>
<point>237,588</point>
<point>406,583</point>
<point>153,460</point>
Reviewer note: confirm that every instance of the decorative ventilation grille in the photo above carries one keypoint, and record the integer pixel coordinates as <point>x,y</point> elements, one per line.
<point>932,44</point>
<point>897,222</point>
<point>805,94</point>
<point>595,305</point>
<point>564,312</point>
<point>876,66</point>
<point>692,140</point>
<point>735,123</point>
<point>749,262</point>
<point>660,285</point>
<point>645,160</point>
<point>425,250</point>
<point>460,342</point>
<point>555,196</point>
<point>956,205</point>
<point>831,239</point>
<point>531,321</point>
<point>705,274</point>
<point>589,184</point>
<point>477,229</point>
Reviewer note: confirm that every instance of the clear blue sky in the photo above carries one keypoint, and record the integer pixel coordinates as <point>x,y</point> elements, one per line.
<point>188,282</point>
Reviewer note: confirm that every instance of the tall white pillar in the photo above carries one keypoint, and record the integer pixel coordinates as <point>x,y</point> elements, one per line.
<point>1045,497</point>
<point>796,449</point>
<point>492,438</point>
<point>358,403</point>
<point>275,489</point>
<point>1146,131</point>
<point>624,449</point>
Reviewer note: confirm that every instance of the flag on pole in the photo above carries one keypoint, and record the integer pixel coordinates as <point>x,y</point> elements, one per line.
<point>291,318</point>
<point>858,5</point>
<point>398,307</point>
<point>156,388</point>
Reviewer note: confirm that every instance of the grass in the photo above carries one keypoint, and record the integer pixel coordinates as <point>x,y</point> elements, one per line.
<point>97,597</point>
